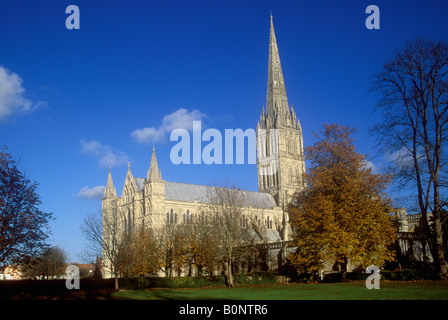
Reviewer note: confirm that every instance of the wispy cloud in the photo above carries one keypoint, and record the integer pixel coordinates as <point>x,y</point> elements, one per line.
<point>92,193</point>
<point>403,157</point>
<point>107,155</point>
<point>181,118</point>
<point>12,99</point>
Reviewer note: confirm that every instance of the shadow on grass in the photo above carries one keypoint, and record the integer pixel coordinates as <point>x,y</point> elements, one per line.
<point>172,294</point>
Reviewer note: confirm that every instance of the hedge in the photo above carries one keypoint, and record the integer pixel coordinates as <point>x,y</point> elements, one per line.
<point>409,274</point>
<point>171,282</point>
<point>256,278</point>
<point>403,275</point>
<point>265,278</point>
<point>192,282</point>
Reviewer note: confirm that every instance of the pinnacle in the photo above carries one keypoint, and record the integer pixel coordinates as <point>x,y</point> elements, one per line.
<point>154,173</point>
<point>110,192</point>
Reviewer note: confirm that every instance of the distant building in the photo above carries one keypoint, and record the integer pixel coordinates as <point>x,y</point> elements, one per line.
<point>411,244</point>
<point>85,269</point>
<point>11,273</point>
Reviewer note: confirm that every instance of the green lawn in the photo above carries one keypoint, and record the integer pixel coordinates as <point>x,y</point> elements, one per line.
<point>389,290</point>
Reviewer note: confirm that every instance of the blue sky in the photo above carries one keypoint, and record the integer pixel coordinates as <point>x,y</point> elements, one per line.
<point>70,100</point>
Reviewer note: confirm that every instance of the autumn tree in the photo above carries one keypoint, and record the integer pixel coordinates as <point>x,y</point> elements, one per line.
<point>24,227</point>
<point>202,244</point>
<point>413,102</point>
<point>144,254</point>
<point>343,215</point>
<point>171,248</point>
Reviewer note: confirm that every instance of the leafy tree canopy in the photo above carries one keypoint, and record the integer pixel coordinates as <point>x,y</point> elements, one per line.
<point>23,226</point>
<point>343,215</point>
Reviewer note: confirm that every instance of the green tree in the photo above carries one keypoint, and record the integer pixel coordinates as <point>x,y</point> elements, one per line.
<point>51,264</point>
<point>342,215</point>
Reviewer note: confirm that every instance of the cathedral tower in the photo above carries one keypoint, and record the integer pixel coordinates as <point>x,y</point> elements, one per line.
<point>281,161</point>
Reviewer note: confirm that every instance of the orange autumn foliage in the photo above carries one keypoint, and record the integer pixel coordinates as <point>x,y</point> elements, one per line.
<point>343,215</point>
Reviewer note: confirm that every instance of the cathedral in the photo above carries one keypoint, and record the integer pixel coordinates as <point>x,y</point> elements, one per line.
<point>154,202</point>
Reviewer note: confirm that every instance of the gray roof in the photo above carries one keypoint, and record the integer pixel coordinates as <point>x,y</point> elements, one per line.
<point>140,182</point>
<point>273,235</point>
<point>191,192</point>
<point>269,235</point>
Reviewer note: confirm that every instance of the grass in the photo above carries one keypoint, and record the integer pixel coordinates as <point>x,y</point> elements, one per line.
<point>389,290</point>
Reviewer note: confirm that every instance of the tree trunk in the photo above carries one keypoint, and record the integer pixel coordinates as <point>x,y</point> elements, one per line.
<point>116,283</point>
<point>229,274</point>
<point>439,245</point>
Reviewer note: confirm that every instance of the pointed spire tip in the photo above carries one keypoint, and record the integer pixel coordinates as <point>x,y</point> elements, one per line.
<point>109,191</point>
<point>154,173</point>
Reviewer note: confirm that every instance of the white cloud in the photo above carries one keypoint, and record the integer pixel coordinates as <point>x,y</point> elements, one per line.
<point>181,118</point>
<point>370,165</point>
<point>92,193</point>
<point>147,135</point>
<point>106,154</point>
<point>12,100</point>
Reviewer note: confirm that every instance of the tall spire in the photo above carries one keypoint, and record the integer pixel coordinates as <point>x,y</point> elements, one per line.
<point>276,99</point>
<point>110,192</point>
<point>154,173</point>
